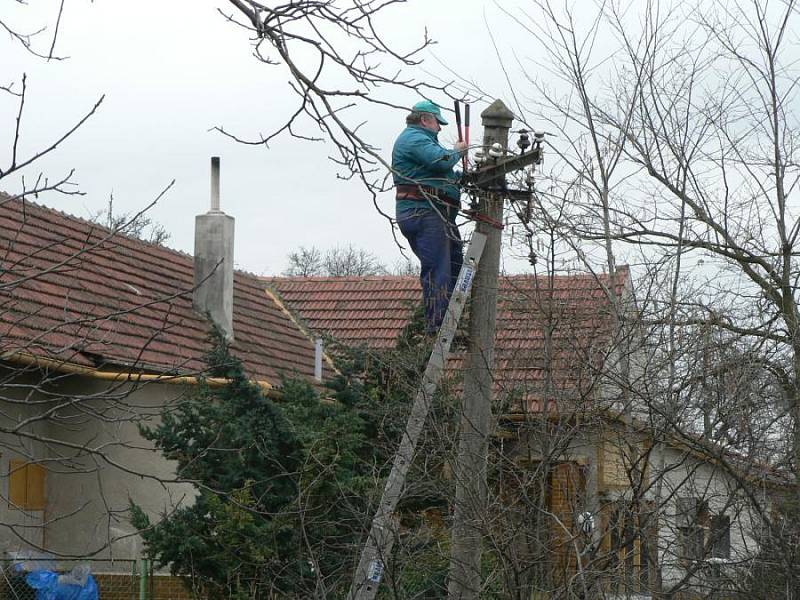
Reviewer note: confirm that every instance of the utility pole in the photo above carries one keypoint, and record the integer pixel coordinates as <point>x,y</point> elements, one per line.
<point>470,469</point>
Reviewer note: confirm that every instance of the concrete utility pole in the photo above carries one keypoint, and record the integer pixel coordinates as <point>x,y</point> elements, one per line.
<point>470,469</point>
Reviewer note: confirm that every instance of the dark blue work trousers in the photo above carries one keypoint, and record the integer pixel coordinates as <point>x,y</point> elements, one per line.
<point>435,241</point>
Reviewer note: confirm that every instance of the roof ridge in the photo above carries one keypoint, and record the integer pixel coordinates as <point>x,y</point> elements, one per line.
<point>5,197</point>
<point>322,278</point>
<point>388,277</point>
<point>135,241</point>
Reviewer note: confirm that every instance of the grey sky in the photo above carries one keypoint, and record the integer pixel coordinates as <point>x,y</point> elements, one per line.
<point>173,70</point>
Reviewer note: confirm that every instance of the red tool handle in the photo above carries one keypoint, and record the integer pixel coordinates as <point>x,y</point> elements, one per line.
<point>457,105</point>
<point>466,135</point>
<point>466,123</point>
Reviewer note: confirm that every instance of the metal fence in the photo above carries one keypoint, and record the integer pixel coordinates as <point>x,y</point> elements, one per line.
<point>116,579</point>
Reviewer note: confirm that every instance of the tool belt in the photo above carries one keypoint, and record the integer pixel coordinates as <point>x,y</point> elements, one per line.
<point>423,193</point>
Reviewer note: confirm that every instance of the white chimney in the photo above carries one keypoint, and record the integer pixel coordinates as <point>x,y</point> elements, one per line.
<point>213,261</point>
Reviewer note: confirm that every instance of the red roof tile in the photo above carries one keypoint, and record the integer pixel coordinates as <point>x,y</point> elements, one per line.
<point>355,310</point>
<point>552,333</point>
<point>73,291</point>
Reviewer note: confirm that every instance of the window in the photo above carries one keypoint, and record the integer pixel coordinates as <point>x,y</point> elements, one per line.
<point>692,540</point>
<point>720,536</point>
<point>26,485</point>
<point>701,534</point>
<point>692,520</point>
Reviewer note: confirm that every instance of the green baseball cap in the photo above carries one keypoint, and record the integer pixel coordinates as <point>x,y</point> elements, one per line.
<point>426,106</point>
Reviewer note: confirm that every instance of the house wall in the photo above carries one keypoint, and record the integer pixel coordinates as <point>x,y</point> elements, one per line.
<point>126,468</point>
<point>97,464</point>
<point>687,476</point>
<point>16,408</point>
<point>603,454</point>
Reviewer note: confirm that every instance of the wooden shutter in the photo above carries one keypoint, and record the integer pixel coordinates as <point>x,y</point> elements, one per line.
<point>567,490</point>
<point>606,525</point>
<point>26,485</point>
<point>17,483</point>
<point>612,467</point>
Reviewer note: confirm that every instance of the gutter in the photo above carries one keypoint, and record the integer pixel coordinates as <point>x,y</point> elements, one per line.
<point>116,376</point>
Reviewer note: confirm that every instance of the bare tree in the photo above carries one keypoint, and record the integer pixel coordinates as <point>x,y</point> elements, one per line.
<point>405,267</point>
<point>138,225</point>
<point>348,261</point>
<point>320,42</point>
<point>339,261</point>
<point>677,142</point>
<point>304,262</point>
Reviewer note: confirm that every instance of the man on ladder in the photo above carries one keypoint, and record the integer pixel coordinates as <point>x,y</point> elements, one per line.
<point>423,172</point>
<point>428,200</point>
<point>427,203</point>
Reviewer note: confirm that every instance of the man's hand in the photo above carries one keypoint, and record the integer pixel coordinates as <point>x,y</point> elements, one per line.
<point>460,147</point>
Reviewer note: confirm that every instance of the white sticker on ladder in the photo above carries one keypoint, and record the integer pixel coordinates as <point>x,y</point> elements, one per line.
<point>466,280</point>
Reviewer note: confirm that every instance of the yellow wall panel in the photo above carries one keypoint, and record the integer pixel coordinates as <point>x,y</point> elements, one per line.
<point>26,485</point>
<point>37,497</point>
<point>17,483</point>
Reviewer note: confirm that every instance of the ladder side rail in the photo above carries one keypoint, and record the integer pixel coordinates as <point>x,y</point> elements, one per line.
<point>378,546</point>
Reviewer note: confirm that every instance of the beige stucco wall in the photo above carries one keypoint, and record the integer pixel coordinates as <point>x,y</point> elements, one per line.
<point>16,409</point>
<point>97,463</point>
<point>672,473</point>
<point>686,476</point>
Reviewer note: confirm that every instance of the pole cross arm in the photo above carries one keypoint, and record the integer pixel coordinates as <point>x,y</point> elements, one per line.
<point>504,191</point>
<point>518,195</point>
<point>489,175</point>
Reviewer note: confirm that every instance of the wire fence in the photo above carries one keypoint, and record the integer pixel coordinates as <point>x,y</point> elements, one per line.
<point>126,579</point>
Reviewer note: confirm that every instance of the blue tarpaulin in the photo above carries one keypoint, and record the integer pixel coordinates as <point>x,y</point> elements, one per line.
<point>76,585</point>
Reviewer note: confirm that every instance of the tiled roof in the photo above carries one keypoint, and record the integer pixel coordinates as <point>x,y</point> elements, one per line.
<point>370,311</point>
<point>73,291</point>
<point>552,333</point>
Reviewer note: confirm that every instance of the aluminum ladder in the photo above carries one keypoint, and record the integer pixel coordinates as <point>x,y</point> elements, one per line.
<point>378,547</point>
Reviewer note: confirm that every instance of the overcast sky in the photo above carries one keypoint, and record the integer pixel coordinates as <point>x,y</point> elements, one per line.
<point>170,71</point>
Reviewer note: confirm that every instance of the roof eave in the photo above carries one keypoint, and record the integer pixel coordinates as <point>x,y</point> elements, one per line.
<point>67,368</point>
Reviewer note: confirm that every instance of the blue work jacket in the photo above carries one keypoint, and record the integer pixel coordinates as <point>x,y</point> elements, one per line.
<point>418,159</point>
